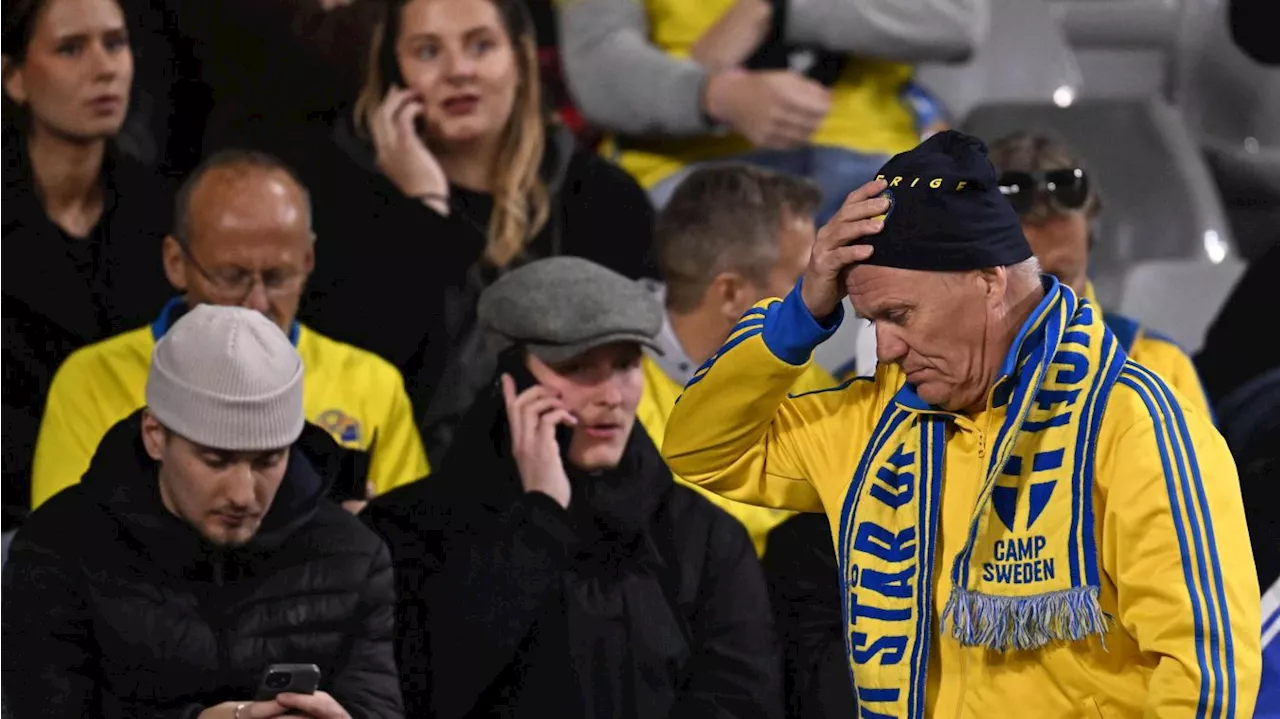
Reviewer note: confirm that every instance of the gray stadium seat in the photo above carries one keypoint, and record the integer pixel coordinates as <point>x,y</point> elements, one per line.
<point>1179,297</point>
<point>1160,203</point>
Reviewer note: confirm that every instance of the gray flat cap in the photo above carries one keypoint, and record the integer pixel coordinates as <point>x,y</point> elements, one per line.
<point>561,307</point>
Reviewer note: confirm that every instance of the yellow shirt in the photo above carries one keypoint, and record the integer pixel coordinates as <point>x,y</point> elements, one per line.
<point>740,432</point>
<point>1158,353</point>
<point>867,115</point>
<point>659,398</point>
<point>353,394</point>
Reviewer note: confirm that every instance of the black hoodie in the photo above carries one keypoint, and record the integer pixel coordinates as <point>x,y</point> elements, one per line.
<point>642,601</point>
<point>113,607</point>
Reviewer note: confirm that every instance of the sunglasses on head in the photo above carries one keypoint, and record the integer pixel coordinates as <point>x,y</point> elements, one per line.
<point>1065,189</point>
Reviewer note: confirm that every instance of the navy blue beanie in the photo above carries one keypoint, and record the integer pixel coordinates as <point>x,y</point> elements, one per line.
<point>946,212</point>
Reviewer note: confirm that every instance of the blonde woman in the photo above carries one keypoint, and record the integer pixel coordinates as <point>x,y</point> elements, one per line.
<point>463,180</point>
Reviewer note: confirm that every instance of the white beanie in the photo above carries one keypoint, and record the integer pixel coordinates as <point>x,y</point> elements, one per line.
<point>227,378</point>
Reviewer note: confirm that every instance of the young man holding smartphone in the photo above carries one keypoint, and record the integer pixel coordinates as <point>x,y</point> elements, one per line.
<point>551,563</point>
<point>199,551</point>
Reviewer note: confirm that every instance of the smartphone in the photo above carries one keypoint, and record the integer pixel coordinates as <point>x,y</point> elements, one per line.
<point>391,70</point>
<point>511,362</point>
<point>287,679</point>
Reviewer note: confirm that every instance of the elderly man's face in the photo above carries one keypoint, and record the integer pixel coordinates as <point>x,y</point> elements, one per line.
<point>250,245</point>
<point>934,325</point>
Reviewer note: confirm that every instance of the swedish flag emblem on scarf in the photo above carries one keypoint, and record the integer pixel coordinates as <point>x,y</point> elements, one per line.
<point>1021,580</point>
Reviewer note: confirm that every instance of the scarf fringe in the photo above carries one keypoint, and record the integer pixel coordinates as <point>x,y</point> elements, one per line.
<point>1023,623</point>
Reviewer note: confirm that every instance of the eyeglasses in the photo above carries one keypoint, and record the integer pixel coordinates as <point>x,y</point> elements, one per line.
<point>1065,189</point>
<point>235,285</point>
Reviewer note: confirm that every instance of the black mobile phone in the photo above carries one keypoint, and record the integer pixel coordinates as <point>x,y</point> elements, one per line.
<point>287,679</point>
<point>512,362</point>
<point>390,65</point>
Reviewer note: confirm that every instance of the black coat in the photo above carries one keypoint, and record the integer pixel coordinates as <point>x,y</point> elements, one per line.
<point>396,278</point>
<point>1233,353</point>
<point>52,306</point>
<point>804,586</point>
<point>643,600</point>
<point>113,607</point>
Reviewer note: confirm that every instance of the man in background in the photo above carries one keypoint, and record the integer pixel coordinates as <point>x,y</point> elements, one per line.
<point>243,238</point>
<point>1056,201</point>
<point>732,235</point>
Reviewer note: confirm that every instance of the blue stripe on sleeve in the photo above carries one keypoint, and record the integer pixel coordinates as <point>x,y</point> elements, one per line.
<point>1181,437</point>
<point>706,367</point>
<point>1182,523</point>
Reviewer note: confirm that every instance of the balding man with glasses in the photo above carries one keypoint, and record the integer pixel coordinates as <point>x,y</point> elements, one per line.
<point>242,237</point>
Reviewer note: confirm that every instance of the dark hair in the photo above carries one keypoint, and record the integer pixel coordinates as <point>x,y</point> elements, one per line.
<point>1037,151</point>
<point>725,216</point>
<point>19,26</point>
<point>20,20</point>
<point>225,159</point>
<point>521,204</point>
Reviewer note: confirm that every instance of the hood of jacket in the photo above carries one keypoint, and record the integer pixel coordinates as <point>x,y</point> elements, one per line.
<point>124,481</point>
<point>613,505</point>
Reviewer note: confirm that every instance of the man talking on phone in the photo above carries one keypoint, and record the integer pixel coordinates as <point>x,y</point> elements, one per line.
<point>550,566</point>
<point>199,552</point>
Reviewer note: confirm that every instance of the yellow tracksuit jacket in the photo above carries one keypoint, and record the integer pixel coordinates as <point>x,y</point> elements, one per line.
<point>355,395</point>
<point>739,432</point>
<point>660,394</point>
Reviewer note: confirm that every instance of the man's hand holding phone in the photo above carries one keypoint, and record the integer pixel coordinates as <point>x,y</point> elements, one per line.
<point>533,416</point>
<point>319,705</point>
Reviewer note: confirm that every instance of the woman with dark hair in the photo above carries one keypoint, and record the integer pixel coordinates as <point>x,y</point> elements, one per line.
<point>447,176</point>
<point>82,222</point>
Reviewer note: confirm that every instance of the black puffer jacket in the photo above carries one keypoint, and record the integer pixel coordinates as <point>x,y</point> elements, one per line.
<point>643,601</point>
<point>803,576</point>
<point>113,607</point>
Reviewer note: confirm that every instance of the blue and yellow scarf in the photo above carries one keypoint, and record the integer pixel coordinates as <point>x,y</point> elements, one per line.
<point>1023,580</point>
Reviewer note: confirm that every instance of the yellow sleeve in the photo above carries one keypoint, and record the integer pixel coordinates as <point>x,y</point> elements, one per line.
<point>69,434</point>
<point>739,432</point>
<point>398,454</point>
<point>1175,543</point>
<point>1174,366</point>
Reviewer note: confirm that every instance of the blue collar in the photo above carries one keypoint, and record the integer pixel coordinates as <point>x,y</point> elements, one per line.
<point>1029,336</point>
<point>177,307</point>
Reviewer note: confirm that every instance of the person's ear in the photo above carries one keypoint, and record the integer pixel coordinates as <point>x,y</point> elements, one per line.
<point>153,435</point>
<point>309,261</point>
<point>15,85</point>
<point>730,292</point>
<point>175,263</point>
<point>993,282</point>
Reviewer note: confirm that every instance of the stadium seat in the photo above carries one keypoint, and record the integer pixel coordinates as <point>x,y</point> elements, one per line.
<point>1180,298</point>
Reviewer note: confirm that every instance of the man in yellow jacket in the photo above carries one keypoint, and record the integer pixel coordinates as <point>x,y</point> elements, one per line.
<point>1053,196</point>
<point>731,235</point>
<point>243,237</point>
<point>1026,521</point>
